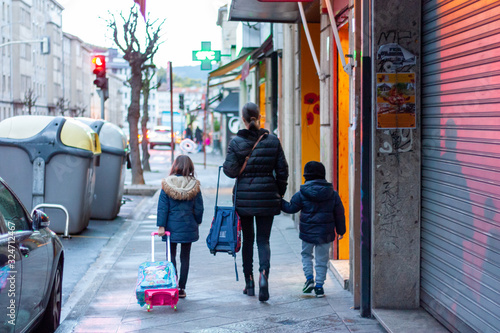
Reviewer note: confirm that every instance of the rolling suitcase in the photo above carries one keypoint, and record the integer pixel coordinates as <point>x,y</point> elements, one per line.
<point>157,281</point>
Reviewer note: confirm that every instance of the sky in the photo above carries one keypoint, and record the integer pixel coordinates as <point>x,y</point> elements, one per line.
<point>187,24</point>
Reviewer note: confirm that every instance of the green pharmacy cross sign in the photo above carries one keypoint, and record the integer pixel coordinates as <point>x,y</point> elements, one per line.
<point>206,55</point>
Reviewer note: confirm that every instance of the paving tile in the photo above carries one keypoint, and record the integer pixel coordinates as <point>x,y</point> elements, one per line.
<point>98,324</point>
<point>371,328</point>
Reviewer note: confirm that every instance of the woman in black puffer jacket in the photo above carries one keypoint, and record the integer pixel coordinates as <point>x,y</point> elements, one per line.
<point>261,186</point>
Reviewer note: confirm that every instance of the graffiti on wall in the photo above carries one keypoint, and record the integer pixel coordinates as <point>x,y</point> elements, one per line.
<point>401,141</point>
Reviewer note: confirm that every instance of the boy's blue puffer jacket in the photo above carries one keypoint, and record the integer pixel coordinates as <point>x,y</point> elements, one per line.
<point>180,208</point>
<point>322,212</point>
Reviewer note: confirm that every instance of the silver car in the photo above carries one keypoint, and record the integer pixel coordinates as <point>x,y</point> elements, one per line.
<point>160,136</point>
<point>31,267</point>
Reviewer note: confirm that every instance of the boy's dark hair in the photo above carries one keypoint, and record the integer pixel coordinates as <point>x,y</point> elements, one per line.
<point>183,166</point>
<point>251,113</point>
<point>314,170</point>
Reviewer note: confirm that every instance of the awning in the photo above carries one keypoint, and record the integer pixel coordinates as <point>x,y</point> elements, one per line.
<point>278,12</point>
<point>229,104</point>
<point>227,68</point>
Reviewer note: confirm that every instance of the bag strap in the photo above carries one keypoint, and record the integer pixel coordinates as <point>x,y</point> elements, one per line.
<point>248,157</point>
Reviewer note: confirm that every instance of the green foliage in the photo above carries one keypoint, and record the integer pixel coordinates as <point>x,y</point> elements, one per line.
<point>216,125</point>
<point>179,81</point>
<point>162,75</point>
<point>186,82</point>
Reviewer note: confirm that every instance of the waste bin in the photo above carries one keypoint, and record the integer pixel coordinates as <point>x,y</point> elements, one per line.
<point>51,160</point>
<point>110,174</point>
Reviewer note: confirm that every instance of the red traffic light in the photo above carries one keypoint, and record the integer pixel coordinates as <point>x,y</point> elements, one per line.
<point>99,62</point>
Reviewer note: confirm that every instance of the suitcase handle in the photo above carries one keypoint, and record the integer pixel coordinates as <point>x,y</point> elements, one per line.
<point>235,190</point>
<point>153,234</point>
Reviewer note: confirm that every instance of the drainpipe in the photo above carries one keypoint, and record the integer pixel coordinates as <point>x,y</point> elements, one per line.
<point>366,161</point>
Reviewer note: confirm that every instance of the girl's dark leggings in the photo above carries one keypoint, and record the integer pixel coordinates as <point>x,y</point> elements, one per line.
<point>185,254</point>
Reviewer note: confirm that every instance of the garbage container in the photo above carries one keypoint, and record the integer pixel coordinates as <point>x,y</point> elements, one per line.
<point>110,174</point>
<point>51,160</point>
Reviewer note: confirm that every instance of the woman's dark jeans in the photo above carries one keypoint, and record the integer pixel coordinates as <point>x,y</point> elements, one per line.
<point>264,225</point>
<point>185,254</point>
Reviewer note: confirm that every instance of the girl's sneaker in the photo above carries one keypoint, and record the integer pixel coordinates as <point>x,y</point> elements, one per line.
<point>182,293</point>
<point>318,290</point>
<point>308,286</point>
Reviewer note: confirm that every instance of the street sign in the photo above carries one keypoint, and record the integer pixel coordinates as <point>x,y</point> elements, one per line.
<point>45,46</point>
<point>206,55</point>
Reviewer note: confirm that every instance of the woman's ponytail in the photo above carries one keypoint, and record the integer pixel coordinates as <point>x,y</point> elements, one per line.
<point>250,113</point>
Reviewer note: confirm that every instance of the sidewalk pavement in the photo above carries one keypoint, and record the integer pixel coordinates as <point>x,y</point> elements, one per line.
<point>104,299</point>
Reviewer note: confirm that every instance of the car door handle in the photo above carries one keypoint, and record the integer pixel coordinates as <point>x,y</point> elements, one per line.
<point>24,251</point>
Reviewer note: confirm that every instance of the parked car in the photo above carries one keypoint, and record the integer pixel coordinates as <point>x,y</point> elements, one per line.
<point>160,136</point>
<point>31,267</point>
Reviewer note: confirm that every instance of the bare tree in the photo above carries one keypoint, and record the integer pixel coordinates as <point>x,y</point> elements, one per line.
<point>30,99</point>
<point>130,45</point>
<point>79,110</point>
<point>149,73</point>
<point>61,106</point>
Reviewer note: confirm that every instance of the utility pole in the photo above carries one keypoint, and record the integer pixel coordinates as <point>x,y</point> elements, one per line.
<point>171,85</point>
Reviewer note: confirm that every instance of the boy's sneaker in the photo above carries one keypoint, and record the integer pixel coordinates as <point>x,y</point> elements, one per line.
<point>319,292</point>
<point>308,286</point>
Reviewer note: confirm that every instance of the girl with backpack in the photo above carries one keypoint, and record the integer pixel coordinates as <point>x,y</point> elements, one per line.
<point>180,211</point>
<point>261,185</point>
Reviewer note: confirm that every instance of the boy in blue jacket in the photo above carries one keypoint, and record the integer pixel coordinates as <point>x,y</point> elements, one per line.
<point>321,217</point>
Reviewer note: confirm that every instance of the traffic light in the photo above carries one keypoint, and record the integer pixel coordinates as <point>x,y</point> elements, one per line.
<point>100,71</point>
<point>181,101</point>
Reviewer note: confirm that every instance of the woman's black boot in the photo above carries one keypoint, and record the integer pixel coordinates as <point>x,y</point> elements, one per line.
<point>263,287</point>
<point>250,286</point>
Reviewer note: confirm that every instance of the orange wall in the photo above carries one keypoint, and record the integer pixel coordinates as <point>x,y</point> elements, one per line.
<point>309,97</point>
<point>343,140</point>
<point>262,104</point>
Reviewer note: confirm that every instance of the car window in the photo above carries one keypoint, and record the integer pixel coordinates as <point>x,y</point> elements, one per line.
<point>162,131</point>
<point>13,213</point>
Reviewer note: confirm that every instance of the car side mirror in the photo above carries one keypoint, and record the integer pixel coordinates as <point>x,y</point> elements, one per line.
<point>40,220</point>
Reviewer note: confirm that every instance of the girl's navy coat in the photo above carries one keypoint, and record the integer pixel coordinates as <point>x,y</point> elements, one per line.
<point>180,208</point>
<point>264,180</point>
<point>322,212</point>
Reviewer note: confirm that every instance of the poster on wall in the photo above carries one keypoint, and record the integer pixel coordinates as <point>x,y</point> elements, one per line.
<point>396,100</point>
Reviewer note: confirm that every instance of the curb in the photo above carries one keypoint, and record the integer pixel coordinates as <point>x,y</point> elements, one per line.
<point>142,190</point>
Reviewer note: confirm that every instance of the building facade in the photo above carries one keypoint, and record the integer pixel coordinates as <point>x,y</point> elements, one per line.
<point>399,103</point>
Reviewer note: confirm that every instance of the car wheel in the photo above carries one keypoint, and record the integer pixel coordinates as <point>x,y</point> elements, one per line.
<point>52,315</point>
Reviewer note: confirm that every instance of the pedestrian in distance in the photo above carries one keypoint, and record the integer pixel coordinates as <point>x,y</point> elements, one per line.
<point>261,185</point>
<point>321,217</point>
<point>198,134</point>
<point>188,133</point>
<point>180,211</point>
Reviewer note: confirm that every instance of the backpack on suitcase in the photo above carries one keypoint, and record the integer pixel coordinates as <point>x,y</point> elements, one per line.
<point>225,231</point>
